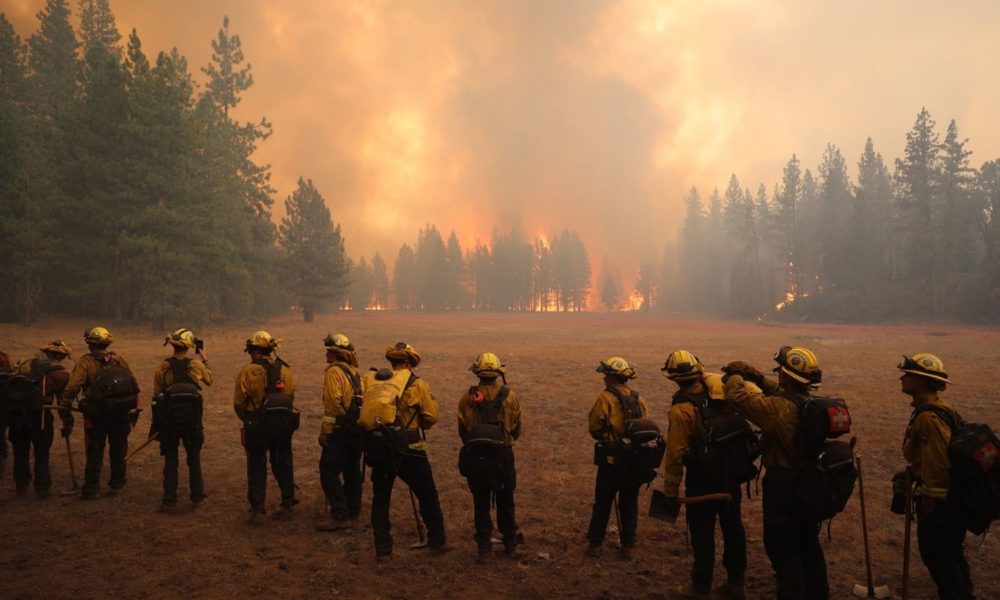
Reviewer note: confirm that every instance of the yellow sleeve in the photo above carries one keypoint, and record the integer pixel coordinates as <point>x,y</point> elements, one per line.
<point>289,379</point>
<point>758,407</point>
<point>428,405</point>
<point>158,378</point>
<point>683,421</point>
<point>77,379</point>
<point>932,437</point>
<point>512,416</point>
<point>201,373</point>
<point>241,391</point>
<point>467,417</point>
<point>599,419</point>
<point>333,397</point>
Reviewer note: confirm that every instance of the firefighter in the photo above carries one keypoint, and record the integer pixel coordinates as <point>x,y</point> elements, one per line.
<point>339,437</point>
<point>489,422</point>
<point>177,413</point>
<point>607,425</point>
<point>417,411</point>
<point>701,394</point>
<point>6,368</point>
<point>791,535</point>
<point>267,380</point>
<point>109,407</point>
<point>45,380</point>
<point>940,527</point>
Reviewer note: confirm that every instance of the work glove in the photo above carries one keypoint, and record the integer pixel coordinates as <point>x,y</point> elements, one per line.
<point>898,505</point>
<point>743,369</point>
<point>67,428</point>
<point>133,418</point>
<point>324,439</point>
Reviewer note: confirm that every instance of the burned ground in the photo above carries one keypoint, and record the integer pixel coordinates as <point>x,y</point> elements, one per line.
<point>122,547</point>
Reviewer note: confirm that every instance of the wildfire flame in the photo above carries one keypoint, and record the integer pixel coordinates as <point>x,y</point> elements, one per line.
<point>634,301</point>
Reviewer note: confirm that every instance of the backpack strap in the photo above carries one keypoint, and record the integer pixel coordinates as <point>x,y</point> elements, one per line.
<point>181,370</point>
<point>495,408</point>
<point>353,377</point>
<point>952,419</point>
<point>630,404</point>
<point>272,373</point>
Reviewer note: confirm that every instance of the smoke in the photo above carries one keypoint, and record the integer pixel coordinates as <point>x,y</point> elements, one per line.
<point>574,113</point>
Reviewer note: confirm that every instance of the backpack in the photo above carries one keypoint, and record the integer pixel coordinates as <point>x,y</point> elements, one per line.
<point>277,415</point>
<point>826,469</point>
<point>724,455</point>
<point>25,392</point>
<point>640,450</point>
<point>386,437</point>
<point>114,389</point>
<point>349,420</point>
<point>179,404</point>
<point>484,455</point>
<point>974,453</point>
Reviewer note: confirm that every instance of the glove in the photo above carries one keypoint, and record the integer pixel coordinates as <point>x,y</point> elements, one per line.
<point>324,439</point>
<point>898,505</point>
<point>67,428</point>
<point>743,369</point>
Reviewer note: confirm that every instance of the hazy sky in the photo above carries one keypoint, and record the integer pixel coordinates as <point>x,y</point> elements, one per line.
<point>596,115</point>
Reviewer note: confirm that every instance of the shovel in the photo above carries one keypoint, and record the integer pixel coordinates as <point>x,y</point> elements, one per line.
<point>72,472</point>
<point>869,591</point>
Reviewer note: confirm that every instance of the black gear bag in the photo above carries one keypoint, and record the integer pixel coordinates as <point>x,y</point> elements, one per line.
<point>485,456</point>
<point>277,416</point>
<point>724,454</point>
<point>639,452</point>
<point>180,404</point>
<point>114,389</point>
<point>826,469</point>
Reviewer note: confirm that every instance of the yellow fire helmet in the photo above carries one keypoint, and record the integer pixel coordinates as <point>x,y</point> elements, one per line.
<point>616,365</point>
<point>488,365</point>
<point>402,351</point>
<point>925,365</point>
<point>262,339</point>
<point>681,365</point>
<point>97,336</point>
<point>182,338</point>
<point>800,364</point>
<point>338,341</point>
<point>57,347</point>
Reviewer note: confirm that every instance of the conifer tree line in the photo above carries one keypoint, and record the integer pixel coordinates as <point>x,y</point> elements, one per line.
<point>915,239</point>
<point>129,192</point>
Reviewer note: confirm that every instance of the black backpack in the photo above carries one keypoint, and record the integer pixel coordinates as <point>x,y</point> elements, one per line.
<point>277,415</point>
<point>641,448</point>
<point>114,389</point>
<point>349,420</point>
<point>485,456</point>
<point>725,453</point>
<point>385,445</point>
<point>826,469</point>
<point>25,393</point>
<point>180,404</point>
<point>974,476</point>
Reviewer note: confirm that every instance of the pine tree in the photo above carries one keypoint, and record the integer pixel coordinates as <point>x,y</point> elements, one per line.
<point>610,290</point>
<point>380,283</point>
<point>403,278</point>
<point>917,178</point>
<point>645,285</point>
<point>988,194</point>
<point>785,220</point>
<point>97,26</point>
<point>835,204</point>
<point>316,262</point>
<point>873,235</point>
<point>455,279</point>
<point>362,286</point>
<point>957,216</point>
<point>431,276</point>
<point>692,244</point>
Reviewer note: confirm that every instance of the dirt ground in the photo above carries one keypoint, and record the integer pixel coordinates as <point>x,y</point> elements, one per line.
<point>121,547</point>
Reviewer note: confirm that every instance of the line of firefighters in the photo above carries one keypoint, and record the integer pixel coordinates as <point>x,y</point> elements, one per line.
<point>378,419</point>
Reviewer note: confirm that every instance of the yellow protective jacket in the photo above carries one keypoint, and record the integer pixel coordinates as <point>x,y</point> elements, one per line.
<point>164,375</point>
<point>417,408</point>
<point>685,424</point>
<point>54,382</point>
<point>86,371</point>
<point>510,411</point>
<point>773,410</point>
<point>251,387</point>
<point>337,393</point>
<point>925,447</point>
<point>607,419</point>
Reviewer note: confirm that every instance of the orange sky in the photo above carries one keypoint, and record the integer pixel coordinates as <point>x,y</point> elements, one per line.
<point>594,115</point>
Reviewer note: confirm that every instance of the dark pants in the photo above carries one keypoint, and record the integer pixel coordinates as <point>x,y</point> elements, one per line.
<point>170,439</point>
<point>483,494</point>
<point>34,431</point>
<point>792,545</point>
<point>258,446</point>
<point>701,525</point>
<point>341,458</point>
<point>940,535</point>
<point>111,429</point>
<point>605,490</point>
<point>415,471</point>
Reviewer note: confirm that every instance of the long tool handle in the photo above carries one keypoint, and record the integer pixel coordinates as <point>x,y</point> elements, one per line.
<point>421,531</point>
<point>72,468</point>
<point>57,407</point>
<point>144,444</point>
<point>720,497</point>
<point>864,528</point>
<point>906,533</point>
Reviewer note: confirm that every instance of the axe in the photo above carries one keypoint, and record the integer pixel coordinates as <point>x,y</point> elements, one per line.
<point>871,590</point>
<point>144,444</point>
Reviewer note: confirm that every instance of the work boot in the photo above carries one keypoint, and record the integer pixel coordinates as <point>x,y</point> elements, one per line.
<point>689,592</point>
<point>330,523</point>
<point>594,550</point>
<point>441,549</point>
<point>168,507</point>
<point>484,554</point>
<point>510,550</point>
<point>730,591</point>
<point>625,553</point>
<point>89,495</point>
<point>256,515</point>
<point>41,494</point>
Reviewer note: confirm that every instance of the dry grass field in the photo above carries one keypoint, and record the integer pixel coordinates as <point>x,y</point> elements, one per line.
<point>121,547</point>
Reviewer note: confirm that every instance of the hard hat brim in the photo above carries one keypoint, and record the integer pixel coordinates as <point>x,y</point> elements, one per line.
<point>927,375</point>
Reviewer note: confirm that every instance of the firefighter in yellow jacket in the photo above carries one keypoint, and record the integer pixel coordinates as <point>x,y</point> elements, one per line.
<point>6,369</point>
<point>109,406</point>
<point>701,394</point>
<point>791,536</point>
<point>262,399</point>
<point>940,527</point>
<point>405,457</point>
<point>177,409</point>
<point>614,406</point>
<point>339,437</point>
<point>489,422</point>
